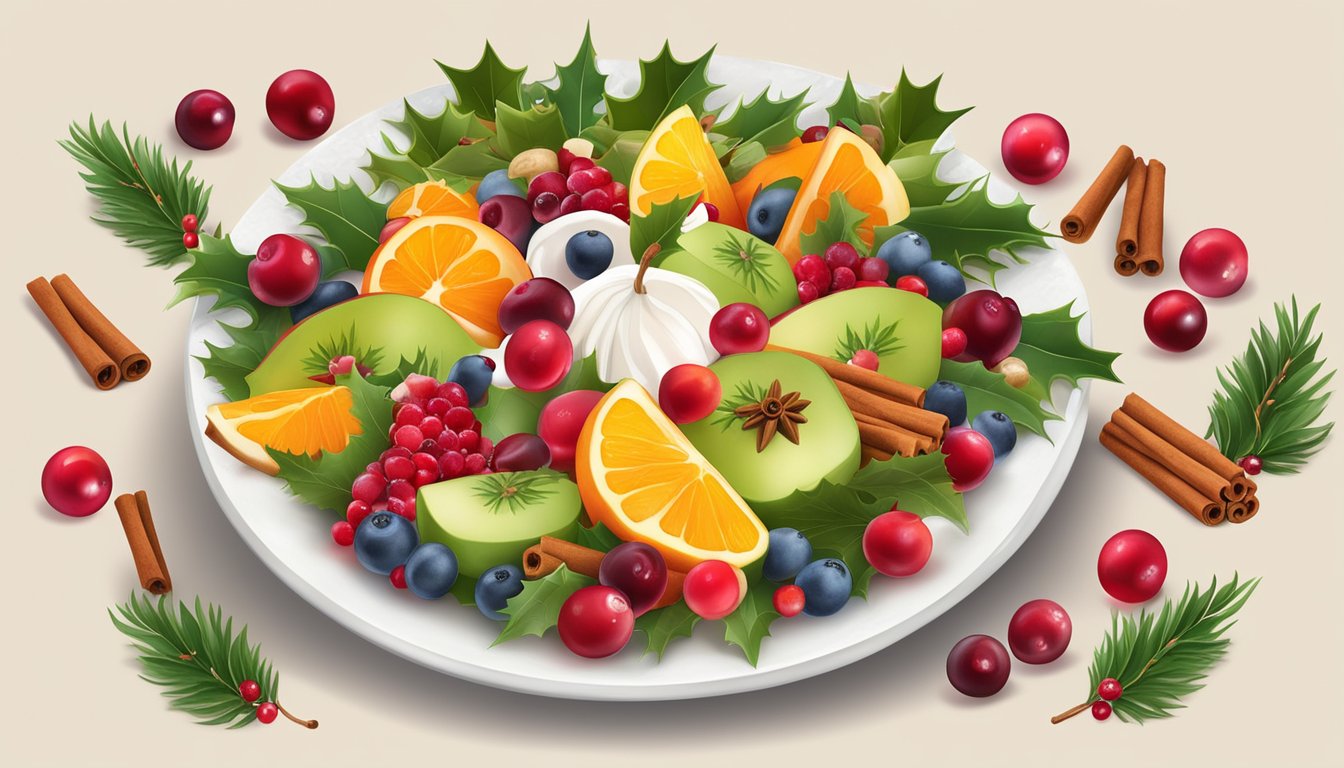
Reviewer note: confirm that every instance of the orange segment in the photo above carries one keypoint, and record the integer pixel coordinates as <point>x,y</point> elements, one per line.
<point>308,421</point>
<point>797,161</point>
<point>677,161</point>
<point>641,477</point>
<point>848,165</point>
<point>458,263</point>
<point>432,198</point>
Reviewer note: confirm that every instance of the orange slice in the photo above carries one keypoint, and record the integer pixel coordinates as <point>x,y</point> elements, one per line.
<point>459,264</point>
<point>308,421</point>
<point>641,477</point>
<point>846,164</point>
<point>797,161</point>
<point>432,198</point>
<point>677,161</point>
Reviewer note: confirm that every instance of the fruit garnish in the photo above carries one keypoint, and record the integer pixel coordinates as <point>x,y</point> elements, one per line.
<point>300,104</point>
<point>76,481</point>
<point>641,477</point>
<point>795,162</point>
<point>677,161</point>
<point>307,421</point>
<point>460,264</point>
<point>431,198</point>
<point>778,412</point>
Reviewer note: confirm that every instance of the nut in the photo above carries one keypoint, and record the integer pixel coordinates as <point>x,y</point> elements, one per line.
<point>873,135</point>
<point>1014,371</point>
<point>532,163</point>
<point>579,147</point>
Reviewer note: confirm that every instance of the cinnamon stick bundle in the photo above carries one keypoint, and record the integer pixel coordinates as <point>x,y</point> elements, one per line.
<point>138,523</point>
<point>1081,222</point>
<point>97,363</point>
<point>99,346</point>
<point>546,556</point>
<point>1127,242</point>
<point>862,378</point>
<point>1151,213</point>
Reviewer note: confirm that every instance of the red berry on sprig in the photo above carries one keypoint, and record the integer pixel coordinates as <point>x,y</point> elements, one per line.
<point>190,223</point>
<point>1251,465</point>
<point>249,690</point>
<point>1101,710</point>
<point>1110,689</point>
<point>267,712</point>
<point>190,240</point>
<point>865,358</point>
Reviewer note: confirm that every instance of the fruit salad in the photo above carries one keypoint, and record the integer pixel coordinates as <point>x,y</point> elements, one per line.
<point>624,365</point>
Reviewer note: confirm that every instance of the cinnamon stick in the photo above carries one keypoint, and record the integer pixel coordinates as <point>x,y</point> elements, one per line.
<point>891,440</point>
<point>1081,222</point>
<point>138,523</point>
<point>862,378</point>
<point>1127,242</point>
<point>100,367</point>
<point>1241,511</point>
<point>1189,443</point>
<point>1149,253</point>
<point>131,362</point>
<point>908,417</point>
<point>1198,476</point>
<point>546,556</point>
<point>868,453</point>
<point>1203,509</point>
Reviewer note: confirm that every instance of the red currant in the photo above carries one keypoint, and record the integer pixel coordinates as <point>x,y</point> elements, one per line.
<point>249,690</point>
<point>1101,710</point>
<point>398,576</point>
<point>356,511</point>
<point>343,533</point>
<point>190,223</point>
<point>1110,689</point>
<point>789,600</point>
<point>267,712</point>
<point>913,284</point>
<point>190,240</point>
<point>1251,465</point>
<point>954,342</point>
<point>865,358</point>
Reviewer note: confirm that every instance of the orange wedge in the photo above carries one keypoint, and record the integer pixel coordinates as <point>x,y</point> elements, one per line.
<point>641,477</point>
<point>308,421</point>
<point>677,161</point>
<point>797,161</point>
<point>432,198</point>
<point>848,165</point>
<point>459,264</point>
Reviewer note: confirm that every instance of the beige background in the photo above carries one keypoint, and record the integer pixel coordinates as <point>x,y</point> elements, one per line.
<point>1244,106</point>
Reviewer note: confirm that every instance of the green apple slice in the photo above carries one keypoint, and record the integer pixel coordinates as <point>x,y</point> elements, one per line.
<point>735,266</point>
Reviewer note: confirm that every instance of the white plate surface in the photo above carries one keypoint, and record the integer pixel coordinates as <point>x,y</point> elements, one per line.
<point>293,540</point>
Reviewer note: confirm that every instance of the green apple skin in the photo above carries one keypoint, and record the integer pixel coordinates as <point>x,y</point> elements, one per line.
<point>905,328</point>
<point>714,254</point>
<point>828,446</point>
<point>398,326</point>
<point>459,513</point>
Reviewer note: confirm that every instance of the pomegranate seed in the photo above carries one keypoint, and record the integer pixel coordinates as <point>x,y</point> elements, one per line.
<point>712,211</point>
<point>468,440</point>
<point>395,450</point>
<point>580,164</point>
<point>430,427</point>
<point>565,157</point>
<point>425,460</point>
<point>437,406</point>
<point>425,477</point>
<point>408,437</point>
<point>486,447</point>
<point>399,468</point>
<point>398,577</point>
<point>549,181</point>
<point>619,192</point>
<point>409,414</point>
<point>341,365</point>
<point>621,211</point>
<point>571,203</point>
<point>842,279</point>
<point>356,511</point>
<point>343,533</point>
<point>873,270</point>
<point>421,387</point>
<point>451,465</point>
<point>454,393</point>
<point>447,440</point>
<point>368,487</point>
<point>580,182</point>
<point>458,418</point>
<point>815,133</point>
<point>428,446</point>
<point>475,464</point>
<point>807,292</point>
<point>400,489</point>
<point>376,467</point>
<point>597,200</point>
<point>913,284</point>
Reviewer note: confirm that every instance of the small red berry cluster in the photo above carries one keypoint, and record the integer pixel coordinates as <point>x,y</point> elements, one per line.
<point>1108,690</point>
<point>250,691</point>
<point>579,185</point>
<point>189,237</point>
<point>840,269</point>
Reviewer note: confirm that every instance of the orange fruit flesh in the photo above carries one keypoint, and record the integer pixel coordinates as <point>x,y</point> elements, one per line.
<point>308,421</point>
<point>677,161</point>
<point>431,198</point>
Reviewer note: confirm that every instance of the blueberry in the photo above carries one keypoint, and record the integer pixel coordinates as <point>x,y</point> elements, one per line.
<point>474,373</point>
<point>826,585</point>
<point>946,398</point>
<point>384,541</point>
<point>998,429</point>
<point>944,280</point>
<point>768,210</point>
<point>905,254</point>
<point>588,254</point>
<point>494,589</point>
<point>324,295</point>
<point>498,183</point>
<point>431,570</point>
<point>788,552</point>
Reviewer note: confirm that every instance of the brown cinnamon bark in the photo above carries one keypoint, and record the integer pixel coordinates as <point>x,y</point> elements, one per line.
<point>1127,242</point>
<point>869,453</point>
<point>131,362</point>
<point>1151,213</point>
<point>1188,443</point>
<point>1241,511</point>
<point>1201,478</point>
<point>1081,222</point>
<point>891,440</point>
<point>862,378</point>
<point>97,363</point>
<point>138,524</point>
<point>1202,508</point>
<point>907,417</point>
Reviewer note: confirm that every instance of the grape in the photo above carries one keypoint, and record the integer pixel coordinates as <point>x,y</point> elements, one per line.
<point>520,452</point>
<point>540,298</point>
<point>638,571</point>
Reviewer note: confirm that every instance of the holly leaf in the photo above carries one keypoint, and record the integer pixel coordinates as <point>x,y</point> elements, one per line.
<point>218,269</point>
<point>662,626</point>
<point>537,608</point>
<point>665,84</point>
<point>1052,349</point>
<point>580,88</point>
<point>841,225</point>
<point>324,482</point>
<point>471,161</point>
<point>488,83</point>
<point>348,219</point>
<point>763,121</point>
<point>661,226</point>
<point>917,168</point>
<point>747,626</point>
<point>910,114</point>
<point>742,159</point>
<point>851,108</point>
<point>965,232</point>
<point>597,537</point>
<point>616,150</point>
<point>920,483</point>
<point>431,137</point>
<point>519,130</point>
<point>989,391</point>
<point>229,366</point>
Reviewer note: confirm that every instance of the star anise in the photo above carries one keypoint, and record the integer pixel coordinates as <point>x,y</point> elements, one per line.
<point>775,412</point>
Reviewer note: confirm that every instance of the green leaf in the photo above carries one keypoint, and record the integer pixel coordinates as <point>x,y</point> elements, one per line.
<point>763,121</point>
<point>521,130</point>
<point>619,158</point>
<point>920,483</point>
<point>742,159</point>
<point>841,225</point>
<point>665,84</point>
<point>965,232</point>
<point>489,82</point>
<point>663,625</point>
<point>536,609</point>
<point>747,626</point>
<point>218,269</point>
<point>142,194</point>
<point>1273,397</point>
<point>431,137</point>
<point>580,88</point>
<point>597,537</point>
<point>471,161</point>
<point>989,391</point>
<point>346,217</point>
<point>423,364</point>
<point>852,108</point>
<point>229,366</point>
<point>1052,349</point>
<point>661,226</point>
<point>910,114</point>
<point>325,482</point>
<point>917,168</point>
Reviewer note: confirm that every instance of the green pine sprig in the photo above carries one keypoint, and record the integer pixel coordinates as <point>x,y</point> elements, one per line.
<point>1160,658</point>
<point>198,660</point>
<point>142,194</point>
<point>1272,398</point>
